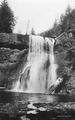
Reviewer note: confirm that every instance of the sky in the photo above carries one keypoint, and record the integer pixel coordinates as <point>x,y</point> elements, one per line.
<point>37,14</point>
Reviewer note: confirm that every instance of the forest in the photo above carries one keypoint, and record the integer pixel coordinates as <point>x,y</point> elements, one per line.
<point>65,23</point>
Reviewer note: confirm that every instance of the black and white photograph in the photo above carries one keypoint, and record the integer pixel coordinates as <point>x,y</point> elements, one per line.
<point>37,59</point>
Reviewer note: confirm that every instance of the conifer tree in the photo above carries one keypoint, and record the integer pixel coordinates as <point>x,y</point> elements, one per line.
<point>7,19</point>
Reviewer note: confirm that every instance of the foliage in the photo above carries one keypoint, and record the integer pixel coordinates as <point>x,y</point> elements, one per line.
<point>66,22</point>
<point>32,31</point>
<point>7,19</point>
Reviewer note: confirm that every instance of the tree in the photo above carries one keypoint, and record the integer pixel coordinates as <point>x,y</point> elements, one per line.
<point>32,31</point>
<point>7,19</point>
<point>65,20</point>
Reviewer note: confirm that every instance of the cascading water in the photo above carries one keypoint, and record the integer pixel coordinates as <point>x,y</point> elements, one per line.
<point>40,71</point>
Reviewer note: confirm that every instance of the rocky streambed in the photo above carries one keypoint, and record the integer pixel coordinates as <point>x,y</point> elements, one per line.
<point>21,106</point>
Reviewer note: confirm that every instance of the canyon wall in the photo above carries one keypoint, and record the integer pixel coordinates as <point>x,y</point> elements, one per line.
<point>14,51</point>
<point>65,57</point>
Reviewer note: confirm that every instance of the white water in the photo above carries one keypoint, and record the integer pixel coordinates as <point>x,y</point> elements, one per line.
<point>40,71</point>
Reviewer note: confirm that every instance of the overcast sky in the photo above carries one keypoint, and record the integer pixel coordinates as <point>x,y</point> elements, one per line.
<point>39,14</point>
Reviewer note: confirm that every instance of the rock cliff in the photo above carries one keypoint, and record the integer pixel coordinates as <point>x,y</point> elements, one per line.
<point>13,55</point>
<point>14,51</point>
<point>65,57</point>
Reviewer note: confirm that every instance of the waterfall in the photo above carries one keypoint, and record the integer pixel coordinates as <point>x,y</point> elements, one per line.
<point>39,73</point>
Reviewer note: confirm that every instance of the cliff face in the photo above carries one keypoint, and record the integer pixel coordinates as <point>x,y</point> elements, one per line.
<point>14,41</point>
<point>65,58</point>
<point>13,56</point>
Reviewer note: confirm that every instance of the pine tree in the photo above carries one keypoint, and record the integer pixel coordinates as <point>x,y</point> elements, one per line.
<point>65,20</point>
<point>32,31</point>
<point>7,19</point>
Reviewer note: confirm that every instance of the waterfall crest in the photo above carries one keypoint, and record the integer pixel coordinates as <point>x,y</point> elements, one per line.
<point>39,73</point>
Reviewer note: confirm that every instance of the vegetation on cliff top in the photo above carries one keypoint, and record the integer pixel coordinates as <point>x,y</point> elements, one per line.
<point>7,19</point>
<point>66,22</point>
